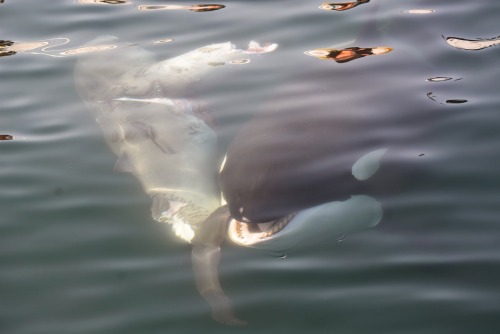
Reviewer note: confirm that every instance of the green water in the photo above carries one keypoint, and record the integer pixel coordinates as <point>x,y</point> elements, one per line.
<point>81,254</point>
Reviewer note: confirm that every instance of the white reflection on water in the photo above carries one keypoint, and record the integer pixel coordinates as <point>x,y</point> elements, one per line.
<point>194,8</point>
<point>418,11</point>
<point>46,48</point>
<point>472,44</point>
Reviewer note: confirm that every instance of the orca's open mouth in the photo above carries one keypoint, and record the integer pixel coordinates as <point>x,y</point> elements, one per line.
<point>247,234</point>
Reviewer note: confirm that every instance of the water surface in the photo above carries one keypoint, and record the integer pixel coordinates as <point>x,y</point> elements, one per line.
<point>81,254</point>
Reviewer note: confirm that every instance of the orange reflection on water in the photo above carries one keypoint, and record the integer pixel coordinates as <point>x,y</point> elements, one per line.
<point>347,54</point>
<point>342,6</point>
<point>194,8</point>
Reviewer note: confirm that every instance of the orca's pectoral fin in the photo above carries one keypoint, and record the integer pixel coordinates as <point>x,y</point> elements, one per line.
<point>206,257</point>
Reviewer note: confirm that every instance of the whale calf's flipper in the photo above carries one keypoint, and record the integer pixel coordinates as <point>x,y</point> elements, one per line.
<point>205,258</point>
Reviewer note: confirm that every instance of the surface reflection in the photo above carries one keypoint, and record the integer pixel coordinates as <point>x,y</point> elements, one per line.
<point>434,98</point>
<point>347,54</point>
<point>194,8</point>
<point>240,61</point>
<point>456,101</point>
<point>163,41</point>
<point>47,47</point>
<point>472,44</point>
<point>418,11</point>
<point>8,48</point>
<point>105,2</point>
<point>342,6</point>
<point>440,79</point>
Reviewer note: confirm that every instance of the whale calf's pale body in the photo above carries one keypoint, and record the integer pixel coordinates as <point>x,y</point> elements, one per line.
<point>165,142</point>
<point>155,134</point>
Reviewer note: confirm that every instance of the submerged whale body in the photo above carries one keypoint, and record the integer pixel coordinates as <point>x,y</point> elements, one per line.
<point>166,141</point>
<point>291,162</point>
<point>159,136</point>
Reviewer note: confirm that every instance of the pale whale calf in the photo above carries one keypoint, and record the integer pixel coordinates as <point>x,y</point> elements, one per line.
<point>157,135</point>
<point>165,142</point>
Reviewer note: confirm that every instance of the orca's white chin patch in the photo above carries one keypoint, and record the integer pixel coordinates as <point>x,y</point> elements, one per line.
<point>323,223</point>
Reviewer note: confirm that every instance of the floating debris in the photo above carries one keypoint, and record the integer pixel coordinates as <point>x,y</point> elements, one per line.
<point>418,11</point>
<point>194,8</point>
<point>347,54</point>
<point>472,44</point>
<point>339,7</point>
<point>6,137</point>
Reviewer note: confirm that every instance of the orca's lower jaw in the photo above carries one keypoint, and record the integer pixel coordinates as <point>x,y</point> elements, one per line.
<point>320,224</point>
<point>249,234</point>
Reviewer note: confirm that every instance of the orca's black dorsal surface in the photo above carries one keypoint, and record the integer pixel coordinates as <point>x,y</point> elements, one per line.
<point>280,164</point>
